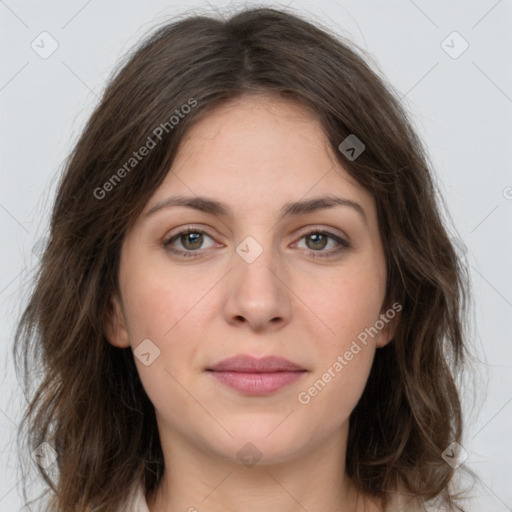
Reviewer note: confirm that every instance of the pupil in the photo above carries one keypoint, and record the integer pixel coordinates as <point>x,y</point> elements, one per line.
<point>195,238</point>
<point>192,240</point>
<point>318,237</point>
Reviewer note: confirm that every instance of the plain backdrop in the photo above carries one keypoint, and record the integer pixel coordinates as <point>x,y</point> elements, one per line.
<point>460,100</point>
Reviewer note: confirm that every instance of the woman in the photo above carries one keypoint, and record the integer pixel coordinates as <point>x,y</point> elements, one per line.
<point>249,300</point>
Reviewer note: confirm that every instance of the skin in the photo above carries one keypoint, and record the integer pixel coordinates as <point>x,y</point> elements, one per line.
<point>255,154</point>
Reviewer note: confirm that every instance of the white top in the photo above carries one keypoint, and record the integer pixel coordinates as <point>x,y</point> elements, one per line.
<point>137,503</point>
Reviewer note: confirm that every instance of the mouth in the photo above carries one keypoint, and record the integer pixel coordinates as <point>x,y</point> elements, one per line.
<point>252,376</point>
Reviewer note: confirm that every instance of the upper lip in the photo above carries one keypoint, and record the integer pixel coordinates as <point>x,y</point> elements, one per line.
<point>249,364</point>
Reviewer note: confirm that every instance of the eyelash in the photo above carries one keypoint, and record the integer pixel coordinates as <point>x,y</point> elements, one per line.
<point>343,245</point>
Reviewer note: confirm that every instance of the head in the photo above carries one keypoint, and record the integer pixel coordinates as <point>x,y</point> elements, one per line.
<point>129,312</point>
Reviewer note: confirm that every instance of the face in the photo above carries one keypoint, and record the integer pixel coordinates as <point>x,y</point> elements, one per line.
<point>253,278</point>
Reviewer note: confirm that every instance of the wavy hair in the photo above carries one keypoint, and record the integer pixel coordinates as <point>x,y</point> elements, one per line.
<point>89,404</point>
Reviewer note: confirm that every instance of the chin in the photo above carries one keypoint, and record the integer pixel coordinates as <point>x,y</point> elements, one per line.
<point>261,442</point>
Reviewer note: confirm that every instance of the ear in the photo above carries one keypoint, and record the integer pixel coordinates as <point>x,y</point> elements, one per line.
<point>390,317</point>
<point>115,328</point>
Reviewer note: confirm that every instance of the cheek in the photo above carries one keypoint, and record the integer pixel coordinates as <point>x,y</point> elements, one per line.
<point>162,310</point>
<point>348,303</point>
<point>328,398</point>
<point>160,303</point>
<point>338,391</point>
<point>339,378</point>
<point>173,309</point>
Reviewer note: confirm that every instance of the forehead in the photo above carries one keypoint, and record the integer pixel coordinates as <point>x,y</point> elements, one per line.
<point>260,152</point>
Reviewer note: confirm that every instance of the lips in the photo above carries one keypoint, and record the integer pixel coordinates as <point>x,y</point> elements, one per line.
<point>252,376</point>
<point>248,364</point>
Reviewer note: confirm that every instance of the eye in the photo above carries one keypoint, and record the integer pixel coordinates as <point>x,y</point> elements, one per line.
<point>190,243</point>
<point>318,240</point>
<point>191,240</point>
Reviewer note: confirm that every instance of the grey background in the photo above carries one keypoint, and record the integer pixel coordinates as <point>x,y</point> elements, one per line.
<point>461,107</point>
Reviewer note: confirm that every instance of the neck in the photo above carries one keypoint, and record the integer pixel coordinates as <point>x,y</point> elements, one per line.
<point>196,480</point>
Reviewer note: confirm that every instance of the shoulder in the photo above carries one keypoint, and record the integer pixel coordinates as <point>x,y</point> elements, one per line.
<point>406,503</point>
<point>396,502</point>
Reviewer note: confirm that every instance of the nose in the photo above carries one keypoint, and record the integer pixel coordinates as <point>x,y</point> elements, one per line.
<point>259,295</point>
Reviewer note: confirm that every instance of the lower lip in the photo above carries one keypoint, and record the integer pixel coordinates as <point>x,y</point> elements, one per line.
<point>257,383</point>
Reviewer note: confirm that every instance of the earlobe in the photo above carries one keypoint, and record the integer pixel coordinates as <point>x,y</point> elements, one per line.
<point>387,333</point>
<point>115,324</point>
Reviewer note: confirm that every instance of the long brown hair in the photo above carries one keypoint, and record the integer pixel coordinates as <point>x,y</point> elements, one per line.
<point>90,405</point>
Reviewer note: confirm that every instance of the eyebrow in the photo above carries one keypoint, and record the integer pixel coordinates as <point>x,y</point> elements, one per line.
<point>291,209</point>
